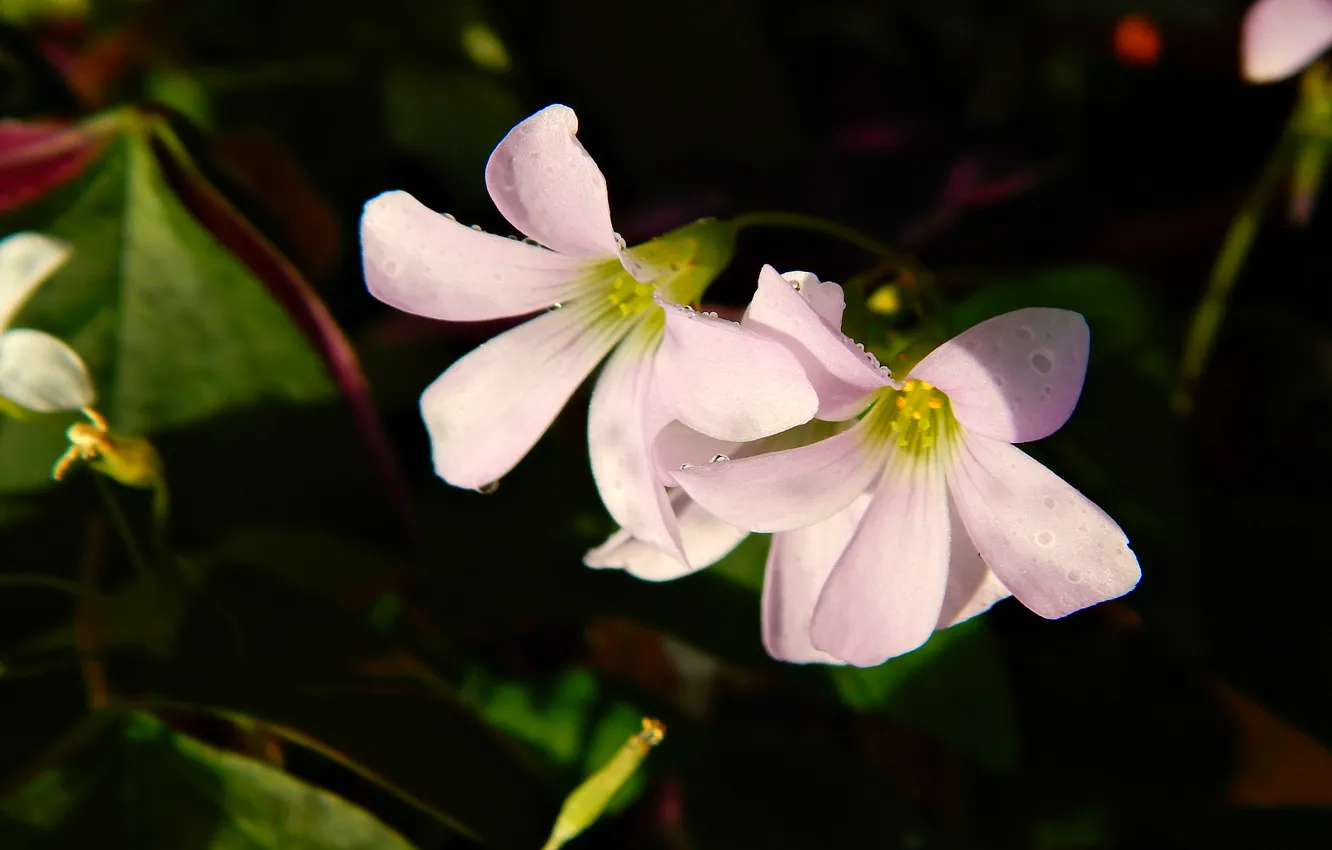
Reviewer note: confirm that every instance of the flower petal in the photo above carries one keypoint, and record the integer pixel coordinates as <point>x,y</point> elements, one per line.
<point>490,407</point>
<point>41,373</point>
<point>705,538</point>
<point>678,446</point>
<point>26,260</point>
<point>799,562</point>
<point>547,186</point>
<point>1050,545</point>
<point>972,587</point>
<point>620,431</point>
<point>887,588</point>
<point>1016,377</point>
<point>728,381</point>
<point>787,489</point>
<point>825,297</point>
<point>425,263</point>
<point>1280,37</point>
<point>841,375</point>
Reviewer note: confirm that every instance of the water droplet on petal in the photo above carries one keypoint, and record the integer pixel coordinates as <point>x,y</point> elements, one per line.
<point>1045,538</point>
<point>719,459</point>
<point>998,380</point>
<point>391,268</point>
<point>1042,362</point>
<point>450,216</point>
<point>1049,502</point>
<point>487,489</point>
<point>684,466</point>
<point>476,227</point>
<point>557,305</point>
<point>1024,333</point>
<point>619,240</point>
<point>1074,576</point>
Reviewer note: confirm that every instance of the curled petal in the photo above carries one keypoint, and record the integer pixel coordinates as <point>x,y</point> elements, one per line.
<point>26,260</point>
<point>886,590</point>
<point>425,263</point>
<point>1016,377</point>
<point>727,381</point>
<point>490,407</point>
<point>41,373</point>
<point>547,186</point>
<point>706,540</point>
<point>1049,544</point>
<point>787,489</point>
<point>842,375</point>
<point>799,562</point>
<point>1281,37</point>
<point>620,430</point>
<point>972,587</point>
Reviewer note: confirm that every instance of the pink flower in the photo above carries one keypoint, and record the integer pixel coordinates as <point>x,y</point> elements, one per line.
<point>597,297</point>
<point>922,513</point>
<point>1282,37</point>
<point>705,538</point>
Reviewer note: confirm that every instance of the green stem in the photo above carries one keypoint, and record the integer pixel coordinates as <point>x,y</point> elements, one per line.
<point>126,531</point>
<point>41,580</point>
<point>815,224</point>
<point>1207,317</point>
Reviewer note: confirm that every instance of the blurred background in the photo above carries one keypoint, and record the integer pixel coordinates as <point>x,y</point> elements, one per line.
<point>325,646</point>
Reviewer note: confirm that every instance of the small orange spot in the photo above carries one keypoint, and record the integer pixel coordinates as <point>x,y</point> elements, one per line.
<point>1137,40</point>
<point>901,401</point>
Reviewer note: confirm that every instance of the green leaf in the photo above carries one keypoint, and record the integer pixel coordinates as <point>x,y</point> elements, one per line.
<point>952,687</point>
<point>174,329</point>
<point>141,786</point>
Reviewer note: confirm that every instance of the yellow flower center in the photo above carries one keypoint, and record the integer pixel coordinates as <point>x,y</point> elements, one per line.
<point>630,296</point>
<point>917,418</point>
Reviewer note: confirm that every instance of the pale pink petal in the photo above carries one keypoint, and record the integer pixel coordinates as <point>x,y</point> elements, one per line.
<point>425,263</point>
<point>787,489</point>
<point>620,433</point>
<point>1016,377</point>
<point>887,588</point>
<point>490,407</point>
<point>842,375</point>
<point>972,587</point>
<point>678,446</point>
<point>727,381</point>
<point>825,297</point>
<point>1052,547</point>
<point>42,373</point>
<point>706,541</point>
<point>26,260</point>
<point>547,186</point>
<point>799,562</point>
<point>1281,37</point>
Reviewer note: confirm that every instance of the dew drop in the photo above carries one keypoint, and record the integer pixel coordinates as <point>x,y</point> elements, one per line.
<point>476,227</point>
<point>391,268</point>
<point>795,284</point>
<point>527,240</point>
<point>619,240</point>
<point>450,216</point>
<point>557,305</point>
<point>1045,538</point>
<point>1049,502</point>
<point>1074,576</point>
<point>1042,362</point>
<point>998,380</point>
<point>487,489</point>
<point>1024,333</point>
<point>719,459</point>
<point>685,466</point>
<point>1046,390</point>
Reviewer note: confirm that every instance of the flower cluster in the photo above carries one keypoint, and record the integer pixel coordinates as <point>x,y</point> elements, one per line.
<point>898,505</point>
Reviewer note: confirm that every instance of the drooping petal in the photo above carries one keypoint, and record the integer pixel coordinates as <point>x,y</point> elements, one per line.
<point>26,260</point>
<point>842,375</point>
<point>791,488</point>
<point>1049,544</point>
<point>1016,377</point>
<point>547,186</point>
<point>41,373</point>
<point>425,263</point>
<point>886,590</point>
<point>1281,37</point>
<point>728,381</point>
<point>706,541</point>
<point>620,433</point>
<point>799,562</point>
<point>972,587</point>
<point>490,407</point>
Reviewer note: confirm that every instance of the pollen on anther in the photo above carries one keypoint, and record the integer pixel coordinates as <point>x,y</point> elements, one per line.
<point>901,401</point>
<point>934,403</point>
<point>915,414</point>
<point>909,386</point>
